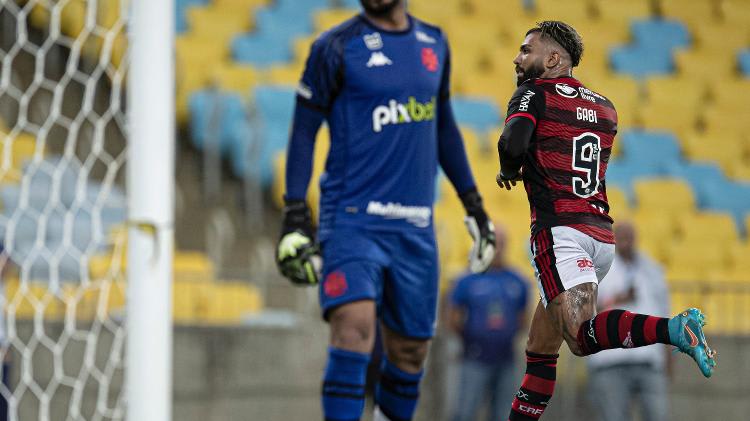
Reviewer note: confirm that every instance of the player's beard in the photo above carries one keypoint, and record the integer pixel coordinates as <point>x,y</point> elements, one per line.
<point>535,70</point>
<point>379,7</point>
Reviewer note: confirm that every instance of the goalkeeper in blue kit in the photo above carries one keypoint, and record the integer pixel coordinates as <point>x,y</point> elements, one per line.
<point>381,82</point>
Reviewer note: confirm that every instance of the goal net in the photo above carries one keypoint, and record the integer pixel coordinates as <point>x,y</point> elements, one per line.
<point>64,206</point>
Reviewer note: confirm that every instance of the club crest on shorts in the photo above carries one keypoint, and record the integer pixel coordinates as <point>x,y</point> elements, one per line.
<point>335,284</point>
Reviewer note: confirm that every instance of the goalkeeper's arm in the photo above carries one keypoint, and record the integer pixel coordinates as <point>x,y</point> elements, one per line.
<point>454,162</point>
<point>297,254</point>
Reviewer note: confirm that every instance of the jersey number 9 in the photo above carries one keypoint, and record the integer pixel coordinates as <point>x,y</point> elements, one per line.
<point>586,158</point>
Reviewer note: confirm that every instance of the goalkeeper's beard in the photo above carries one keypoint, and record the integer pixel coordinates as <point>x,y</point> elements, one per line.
<point>379,10</point>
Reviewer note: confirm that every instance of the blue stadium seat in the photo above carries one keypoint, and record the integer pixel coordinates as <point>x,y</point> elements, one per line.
<point>623,174</point>
<point>654,152</point>
<point>212,114</point>
<point>181,13</point>
<point>664,34</point>
<point>276,28</point>
<point>255,143</point>
<point>732,197</point>
<point>478,113</point>
<point>641,61</point>
<point>261,50</point>
<point>744,61</point>
<point>702,177</point>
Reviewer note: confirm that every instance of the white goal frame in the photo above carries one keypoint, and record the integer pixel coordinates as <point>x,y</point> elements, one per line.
<point>150,184</point>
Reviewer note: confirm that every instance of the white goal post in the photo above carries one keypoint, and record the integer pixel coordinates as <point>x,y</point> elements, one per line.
<point>87,177</point>
<point>151,210</point>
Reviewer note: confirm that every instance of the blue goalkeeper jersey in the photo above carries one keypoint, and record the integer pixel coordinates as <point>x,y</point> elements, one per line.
<point>381,93</point>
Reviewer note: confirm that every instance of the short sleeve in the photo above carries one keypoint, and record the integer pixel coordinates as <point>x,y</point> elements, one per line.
<point>527,102</point>
<point>323,75</point>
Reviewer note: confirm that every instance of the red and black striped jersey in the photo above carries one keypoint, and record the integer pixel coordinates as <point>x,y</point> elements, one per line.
<point>566,161</point>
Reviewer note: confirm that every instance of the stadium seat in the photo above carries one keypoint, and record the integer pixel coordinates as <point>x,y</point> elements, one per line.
<point>706,65</point>
<point>212,117</point>
<point>671,196</point>
<point>721,36</point>
<point>743,59</point>
<point>725,149</point>
<point>479,113</point>
<point>619,205</point>
<point>664,34</point>
<point>641,61</point>
<point>623,91</point>
<point>702,177</point>
<point>22,148</point>
<point>568,11</point>
<point>235,77</point>
<point>731,95</point>
<point>614,11</point>
<point>324,20</point>
<point>497,86</point>
<point>709,228</point>
<point>695,13</point>
<point>261,50</point>
<point>697,258</point>
<point>731,197</point>
<point>217,24</point>
<point>736,13</point>
<point>651,150</point>
<point>662,110</point>
<point>181,7</point>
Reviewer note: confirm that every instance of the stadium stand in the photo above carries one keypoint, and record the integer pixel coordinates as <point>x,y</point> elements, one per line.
<point>682,152</point>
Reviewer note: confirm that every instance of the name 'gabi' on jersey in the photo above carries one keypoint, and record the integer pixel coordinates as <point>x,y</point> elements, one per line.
<point>380,91</point>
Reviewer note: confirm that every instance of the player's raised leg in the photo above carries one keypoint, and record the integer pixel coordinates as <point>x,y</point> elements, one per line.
<point>352,338</point>
<point>397,391</point>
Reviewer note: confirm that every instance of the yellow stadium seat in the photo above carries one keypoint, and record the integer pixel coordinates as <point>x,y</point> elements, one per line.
<point>438,13</point>
<point>497,10</point>
<point>673,103</point>
<point>217,24</point>
<point>679,273</point>
<point>301,47</point>
<point>669,196</point>
<point>187,265</point>
<point>240,6</point>
<point>497,86</point>
<point>716,120</point>
<point>196,59</point>
<point>623,11</point>
<point>571,11</point>
<point>619,206</point>
<point>731,96</point>
<point>698,257</point>
<point>21,149</point>
<point>189,300</point>
<point>721,148</point>
<point>736,13</point>
<point>623,91</point>
<point>327,19</point>
<point>725,37</point>
<point>656,230</point>
<point>709,229</point>
<point>694,13</point>
<point>284,74</point>
<point>235,77</point>
<point>703,64</point>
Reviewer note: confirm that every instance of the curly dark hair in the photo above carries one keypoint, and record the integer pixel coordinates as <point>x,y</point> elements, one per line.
<point>564,35</point>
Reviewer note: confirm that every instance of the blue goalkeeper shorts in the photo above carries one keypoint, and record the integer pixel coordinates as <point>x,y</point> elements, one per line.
<point>398,270</point>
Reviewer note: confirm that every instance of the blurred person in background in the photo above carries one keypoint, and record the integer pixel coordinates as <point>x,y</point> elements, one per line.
<point>487,310</point>
<point>381,81</point>
<point>618,377</point>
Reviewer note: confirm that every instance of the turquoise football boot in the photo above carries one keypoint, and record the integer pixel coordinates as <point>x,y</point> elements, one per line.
<point>686,333</point>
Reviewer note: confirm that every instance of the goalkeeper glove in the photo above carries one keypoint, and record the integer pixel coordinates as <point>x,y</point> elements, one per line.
<point>481,230</point>
<point>297,255</point>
